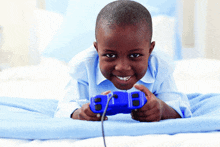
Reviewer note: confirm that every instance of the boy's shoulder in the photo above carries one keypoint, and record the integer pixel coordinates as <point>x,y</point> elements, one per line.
<point>160,65</point>
<point>83,56</point>
<point>84,62</point>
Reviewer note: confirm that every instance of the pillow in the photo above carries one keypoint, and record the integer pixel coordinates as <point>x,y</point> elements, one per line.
<point>197,69</point>
<point>198,75</point>
<point>78,29</point>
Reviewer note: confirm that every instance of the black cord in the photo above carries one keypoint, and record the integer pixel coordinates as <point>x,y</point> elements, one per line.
<point>103,116</point>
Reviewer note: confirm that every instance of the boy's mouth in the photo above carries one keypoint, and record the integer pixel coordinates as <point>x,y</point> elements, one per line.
<point>124,78</point>
<point>123,82</point>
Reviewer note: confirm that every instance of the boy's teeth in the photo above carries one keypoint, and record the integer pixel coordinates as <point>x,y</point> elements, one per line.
<point>124,78</point>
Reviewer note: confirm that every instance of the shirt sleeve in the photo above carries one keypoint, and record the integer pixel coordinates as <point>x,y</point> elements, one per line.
<point>76,95</point>
<point>176,100</point>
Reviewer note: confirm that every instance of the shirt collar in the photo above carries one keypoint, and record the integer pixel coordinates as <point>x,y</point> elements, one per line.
<point>99,76</point>
<point>147,78</point>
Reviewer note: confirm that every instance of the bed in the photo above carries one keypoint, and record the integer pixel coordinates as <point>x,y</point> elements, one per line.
<point>29,96</point>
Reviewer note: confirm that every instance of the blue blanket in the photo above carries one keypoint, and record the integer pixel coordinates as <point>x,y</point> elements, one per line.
<point>33,119</point>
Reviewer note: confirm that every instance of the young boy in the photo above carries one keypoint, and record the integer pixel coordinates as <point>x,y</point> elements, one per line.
<point>123,59</point>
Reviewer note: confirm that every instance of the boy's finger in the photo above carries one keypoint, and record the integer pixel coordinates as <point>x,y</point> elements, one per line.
<point>144,113</point>
<point>88,111</point>
<point>100,116</point>
<point>91,118</point>
<point>146,107</point>
<point>91,114</point>
<point>143,89</point>
<point>148,118</point>
<point>94,116</point>
<point>106,92</point>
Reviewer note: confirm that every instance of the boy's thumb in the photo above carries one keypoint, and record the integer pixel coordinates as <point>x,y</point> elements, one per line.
<point>143,89</point>
<point>106,92</point>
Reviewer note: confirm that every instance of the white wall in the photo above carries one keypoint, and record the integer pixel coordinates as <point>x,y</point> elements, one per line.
<point>18,36</point>
<point>27,28</point>
<point>212,37</point>
<point>200,28</point>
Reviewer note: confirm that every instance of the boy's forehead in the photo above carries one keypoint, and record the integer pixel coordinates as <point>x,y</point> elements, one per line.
<point>103,23</point>
<point>106,28</point>
<point>122,38</point>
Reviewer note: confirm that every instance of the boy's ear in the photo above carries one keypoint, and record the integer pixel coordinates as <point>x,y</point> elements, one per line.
<point>152,47</point>
<point>95,45</point>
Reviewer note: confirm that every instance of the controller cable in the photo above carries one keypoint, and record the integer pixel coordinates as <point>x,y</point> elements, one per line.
<point>103,116</point>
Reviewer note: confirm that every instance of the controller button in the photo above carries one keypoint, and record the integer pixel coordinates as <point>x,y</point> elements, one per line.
<point>98,107</point>
<point>135,95</point>
<point>97,99</point>
<point>115,96</point>
<point>136,103</point>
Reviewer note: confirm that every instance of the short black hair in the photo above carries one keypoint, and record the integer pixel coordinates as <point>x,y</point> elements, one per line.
<point>123,13</point>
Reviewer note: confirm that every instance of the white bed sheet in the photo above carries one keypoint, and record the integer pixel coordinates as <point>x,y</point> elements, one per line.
<point>44,81</point>
<point>209,139</point>
<point>48,79</point>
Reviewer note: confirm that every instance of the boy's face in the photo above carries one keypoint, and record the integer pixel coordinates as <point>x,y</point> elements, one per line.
<point>123,54</point>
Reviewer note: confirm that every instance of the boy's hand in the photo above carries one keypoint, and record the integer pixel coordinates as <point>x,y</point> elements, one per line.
<point>151,111</point>
<point>85,113</point>
<point>154,110</point>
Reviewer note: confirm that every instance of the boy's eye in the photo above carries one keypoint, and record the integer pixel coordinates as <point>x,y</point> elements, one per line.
<point>110,55</point>
<point>134,55</point>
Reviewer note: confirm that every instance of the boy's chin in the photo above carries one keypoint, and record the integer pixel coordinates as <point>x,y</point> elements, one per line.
<point>124,87</point>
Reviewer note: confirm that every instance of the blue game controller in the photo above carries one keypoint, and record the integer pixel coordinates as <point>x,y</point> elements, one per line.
<point>121,102</point>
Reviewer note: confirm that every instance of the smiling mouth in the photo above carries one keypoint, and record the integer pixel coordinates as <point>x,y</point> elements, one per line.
<point>124,78</point>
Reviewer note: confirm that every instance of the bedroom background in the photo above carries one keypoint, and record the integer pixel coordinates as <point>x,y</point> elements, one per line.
<point>35,28</point>
<point>39,37</point>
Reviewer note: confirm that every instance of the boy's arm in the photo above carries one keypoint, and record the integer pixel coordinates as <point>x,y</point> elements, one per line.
<point>168,93</point>
<point>168,112</point>
<point>75,96</point>
<point>75,104</point>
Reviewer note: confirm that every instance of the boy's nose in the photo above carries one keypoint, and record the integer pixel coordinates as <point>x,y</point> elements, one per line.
<point>122,65</point>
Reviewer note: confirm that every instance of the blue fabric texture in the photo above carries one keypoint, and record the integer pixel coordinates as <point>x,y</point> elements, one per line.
<point>33,119</point>
<point>78,29</point>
